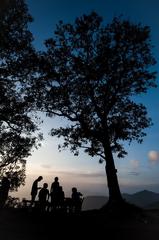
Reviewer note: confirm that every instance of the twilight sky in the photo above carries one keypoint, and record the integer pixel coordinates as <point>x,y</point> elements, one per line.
<point>140,168</point>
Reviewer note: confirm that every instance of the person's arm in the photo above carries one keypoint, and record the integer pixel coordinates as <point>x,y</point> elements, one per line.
<point>48,195</point>
<point>51,188</point>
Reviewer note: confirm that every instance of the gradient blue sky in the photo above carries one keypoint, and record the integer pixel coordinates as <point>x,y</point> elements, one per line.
<point>140,168</point>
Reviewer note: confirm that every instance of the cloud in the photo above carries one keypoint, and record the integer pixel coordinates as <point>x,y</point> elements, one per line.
<point>79,174</point>
<point>134,168</point>
<point>135,164</point>
<point>46,166</point>
<point>153,157</point>
<point>134,173</point>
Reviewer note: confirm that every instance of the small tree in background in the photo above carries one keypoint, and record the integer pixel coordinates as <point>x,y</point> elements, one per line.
<point>90,76</point>
<point>17,66</point>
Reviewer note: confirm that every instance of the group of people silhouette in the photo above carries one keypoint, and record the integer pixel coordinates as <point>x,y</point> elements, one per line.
<point>57,196</point>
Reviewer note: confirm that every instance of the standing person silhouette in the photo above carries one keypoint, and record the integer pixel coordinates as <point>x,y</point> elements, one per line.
<point>76,200</point>
<point>4,189</point>
<point>34,189</point>
<point>60,198</point>
<point>43,197</point>
<point>54,193</point>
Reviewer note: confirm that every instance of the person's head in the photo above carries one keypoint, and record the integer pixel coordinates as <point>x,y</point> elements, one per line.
<point>56,179</point>
<point>74,189</point>
<point>45,185</point>
<point>40,178</point>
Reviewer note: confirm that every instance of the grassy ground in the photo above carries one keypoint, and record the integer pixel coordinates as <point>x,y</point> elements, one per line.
<point>23,224</point>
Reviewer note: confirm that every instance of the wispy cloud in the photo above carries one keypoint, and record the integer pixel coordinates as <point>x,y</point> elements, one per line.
<point>134,168</point>
<point>47,166</point>
<point>134,173</point>
<point>134,164</point>
<point>79,174</point>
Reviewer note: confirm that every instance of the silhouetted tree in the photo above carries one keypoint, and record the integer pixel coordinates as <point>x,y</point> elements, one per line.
<point>15,171</point>
<point>91,76</point>
<point>17,66</point>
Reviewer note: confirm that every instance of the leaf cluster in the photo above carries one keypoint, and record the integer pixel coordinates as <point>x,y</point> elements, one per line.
<point>93,74</point>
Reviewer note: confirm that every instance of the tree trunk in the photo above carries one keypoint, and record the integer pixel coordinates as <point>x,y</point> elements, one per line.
<point>111,173</point>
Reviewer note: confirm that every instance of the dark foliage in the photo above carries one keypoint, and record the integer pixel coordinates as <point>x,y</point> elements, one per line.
<point>17,57</point>
<point>91,76</point>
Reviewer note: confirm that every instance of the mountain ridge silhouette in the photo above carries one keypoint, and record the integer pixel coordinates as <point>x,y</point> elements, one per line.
<point>144,198</point>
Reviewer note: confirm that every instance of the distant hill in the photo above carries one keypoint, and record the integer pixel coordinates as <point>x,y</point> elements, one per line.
<point>154,205</point>
<point>145,199</point>
<point>93,202</point>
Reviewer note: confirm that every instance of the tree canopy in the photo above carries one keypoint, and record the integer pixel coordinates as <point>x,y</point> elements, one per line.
<point>94,72</point>
<point>17,67</point>
<point>91,75</point>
